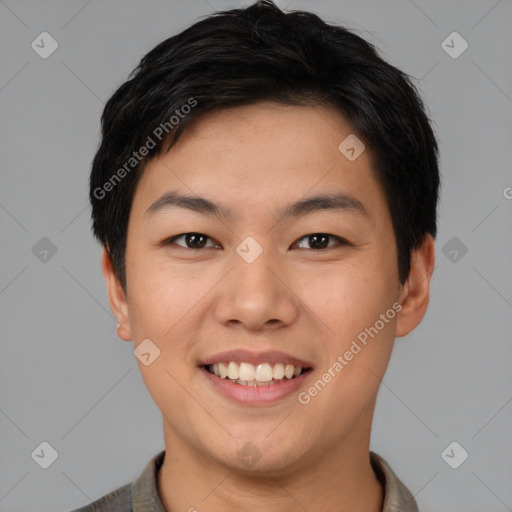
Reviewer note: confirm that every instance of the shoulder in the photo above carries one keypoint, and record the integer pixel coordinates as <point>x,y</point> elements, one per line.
<point>116,501</point>
<point>142,492</point>
<point>397,497</point>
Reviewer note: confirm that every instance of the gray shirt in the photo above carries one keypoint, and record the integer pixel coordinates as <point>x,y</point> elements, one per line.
<point>142,495</point>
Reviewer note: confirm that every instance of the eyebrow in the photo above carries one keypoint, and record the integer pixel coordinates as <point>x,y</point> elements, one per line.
<point>328,201</point>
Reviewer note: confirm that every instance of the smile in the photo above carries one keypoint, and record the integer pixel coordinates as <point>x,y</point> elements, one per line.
<point>263,374</point>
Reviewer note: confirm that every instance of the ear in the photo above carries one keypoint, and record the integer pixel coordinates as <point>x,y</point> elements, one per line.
<point>116,297</point>
<point>415,292</point>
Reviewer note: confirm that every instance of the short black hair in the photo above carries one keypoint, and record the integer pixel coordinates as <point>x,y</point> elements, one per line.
<point>260,53</point>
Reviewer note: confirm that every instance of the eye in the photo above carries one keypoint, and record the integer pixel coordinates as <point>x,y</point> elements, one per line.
<point>192,240</point>
<point>195,240</point>
<point>319,240</point>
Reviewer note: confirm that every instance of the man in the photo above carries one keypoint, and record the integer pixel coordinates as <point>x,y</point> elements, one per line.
<point>265,193</point>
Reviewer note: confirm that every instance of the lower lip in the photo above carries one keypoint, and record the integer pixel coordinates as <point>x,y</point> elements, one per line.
<point>255,395</point>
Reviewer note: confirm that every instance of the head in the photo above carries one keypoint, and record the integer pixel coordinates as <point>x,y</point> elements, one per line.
<point>247,113</point>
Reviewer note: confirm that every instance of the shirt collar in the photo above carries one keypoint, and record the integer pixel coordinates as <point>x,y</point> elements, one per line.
<point>144,491</point>
<point>397,498</point>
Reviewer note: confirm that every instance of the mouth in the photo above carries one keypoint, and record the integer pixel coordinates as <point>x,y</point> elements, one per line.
<point>260,375</point>
<point>255,379</point>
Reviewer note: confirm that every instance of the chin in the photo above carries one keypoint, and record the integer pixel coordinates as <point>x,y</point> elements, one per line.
<point>259,458</point>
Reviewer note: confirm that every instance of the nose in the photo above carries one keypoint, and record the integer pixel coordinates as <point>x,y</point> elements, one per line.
<point>257,295</point>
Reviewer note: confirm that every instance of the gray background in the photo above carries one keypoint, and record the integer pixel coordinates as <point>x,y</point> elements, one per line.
<point>66,378</point>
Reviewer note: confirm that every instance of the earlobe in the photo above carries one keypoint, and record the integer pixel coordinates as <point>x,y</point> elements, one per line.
<point>116,297</point>
<point>415,293</point>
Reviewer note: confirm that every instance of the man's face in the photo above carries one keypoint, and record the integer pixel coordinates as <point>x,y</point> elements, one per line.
<point>308,298</point>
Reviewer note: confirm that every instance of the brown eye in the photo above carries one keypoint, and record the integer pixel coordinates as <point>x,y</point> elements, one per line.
<point>192,240</point>
<point>320,240</point>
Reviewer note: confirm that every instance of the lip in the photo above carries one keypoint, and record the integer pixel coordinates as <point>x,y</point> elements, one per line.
<point>246,356</point>
<point>255,395</point>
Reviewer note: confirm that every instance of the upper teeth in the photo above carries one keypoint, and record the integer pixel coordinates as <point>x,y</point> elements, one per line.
<point>263,372</point>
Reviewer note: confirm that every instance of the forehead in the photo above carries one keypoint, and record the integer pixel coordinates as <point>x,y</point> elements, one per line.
<point>252,157</point>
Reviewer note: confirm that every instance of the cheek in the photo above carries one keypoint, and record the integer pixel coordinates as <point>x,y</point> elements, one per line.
<point>167,305</point>
<point>160,302</point>
<point>349,297</point>
<point>357,342</point>
<point>159,295</point>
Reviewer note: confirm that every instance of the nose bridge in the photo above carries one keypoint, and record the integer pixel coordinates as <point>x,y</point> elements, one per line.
<point>255,269</point>
<point>256,294</point>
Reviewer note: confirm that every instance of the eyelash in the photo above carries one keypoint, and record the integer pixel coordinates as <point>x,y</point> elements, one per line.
<point>171,240</point>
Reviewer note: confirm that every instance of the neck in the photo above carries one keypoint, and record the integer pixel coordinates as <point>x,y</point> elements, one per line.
<point>341,480</point>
